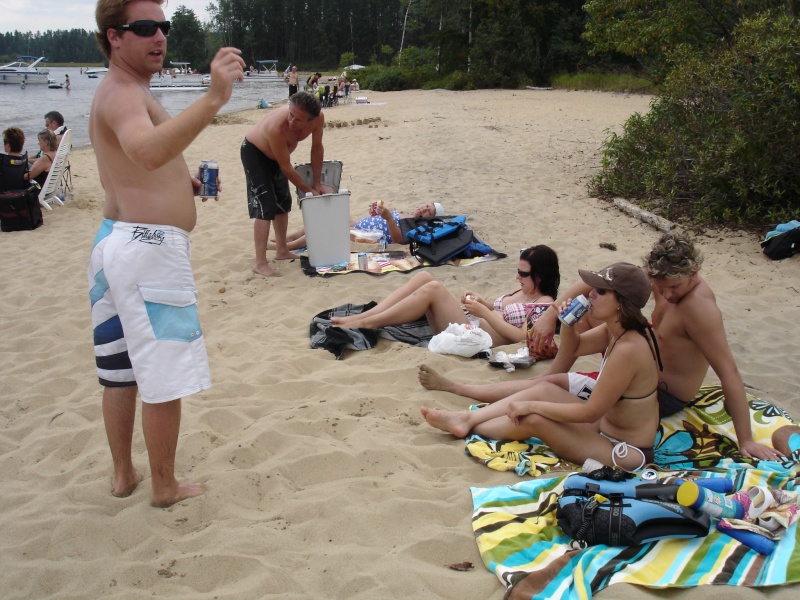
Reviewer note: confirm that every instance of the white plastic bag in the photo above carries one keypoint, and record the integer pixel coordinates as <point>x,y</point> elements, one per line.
<point>462,340</point>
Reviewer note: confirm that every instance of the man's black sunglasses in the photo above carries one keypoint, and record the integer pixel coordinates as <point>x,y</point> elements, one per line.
<point>145,28</point>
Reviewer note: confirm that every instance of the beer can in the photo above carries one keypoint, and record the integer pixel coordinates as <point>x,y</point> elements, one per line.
<point>575,310</point>
<point>209,173</point>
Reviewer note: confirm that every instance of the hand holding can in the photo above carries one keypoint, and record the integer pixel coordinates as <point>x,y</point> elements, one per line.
<point>574,311</point>
<point>208,174</point>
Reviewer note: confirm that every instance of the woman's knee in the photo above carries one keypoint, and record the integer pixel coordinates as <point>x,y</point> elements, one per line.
<point>423,277</point>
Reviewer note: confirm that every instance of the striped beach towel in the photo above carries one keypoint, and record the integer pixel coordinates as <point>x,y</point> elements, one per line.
<point>520,541</point>
<point>699,437</point>
<point>533,558</point>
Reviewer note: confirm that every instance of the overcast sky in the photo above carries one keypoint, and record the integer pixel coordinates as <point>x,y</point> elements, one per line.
<point>41,15</point>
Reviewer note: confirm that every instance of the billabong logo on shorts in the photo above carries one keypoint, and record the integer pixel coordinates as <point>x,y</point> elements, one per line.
<point>147,235</point>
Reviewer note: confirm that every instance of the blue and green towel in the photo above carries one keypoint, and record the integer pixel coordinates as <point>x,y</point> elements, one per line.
<point>520,541</point>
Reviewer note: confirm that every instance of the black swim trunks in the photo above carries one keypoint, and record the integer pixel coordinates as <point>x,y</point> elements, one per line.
<point>268,192</point>
<point>668,404</point>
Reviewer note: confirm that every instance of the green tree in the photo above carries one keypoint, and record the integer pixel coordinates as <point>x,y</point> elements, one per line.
<point>649,30</point>
<point>187,42</point>
<point>719,143</point>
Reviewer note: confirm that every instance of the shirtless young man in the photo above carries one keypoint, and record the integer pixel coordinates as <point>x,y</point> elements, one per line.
<point>265,154</point>
<point>691,337</point>
<point>147,334</point>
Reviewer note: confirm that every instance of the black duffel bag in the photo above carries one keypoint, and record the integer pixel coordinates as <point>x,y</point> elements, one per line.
<point>20,210</point>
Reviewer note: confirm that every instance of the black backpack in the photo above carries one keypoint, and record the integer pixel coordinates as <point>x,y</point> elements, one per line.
<point>782,245</point>
<point>19,200</point>
<point>437,239</point>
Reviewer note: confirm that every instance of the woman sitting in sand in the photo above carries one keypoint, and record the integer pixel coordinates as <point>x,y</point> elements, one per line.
<point>40,167</point>
<point>386,221</point>
<point>617,424</point>
<point>504,319</point>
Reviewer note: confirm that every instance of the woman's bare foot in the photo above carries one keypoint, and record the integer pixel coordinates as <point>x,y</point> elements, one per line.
<point>431,380</point>
<point>266,270</point>
<point>447,420</point>
<point>286,255</point>
<point>181,492</point>
<point>124,485</point>
<point>346,321</point>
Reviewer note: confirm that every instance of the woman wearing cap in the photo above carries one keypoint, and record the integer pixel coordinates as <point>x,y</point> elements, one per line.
<point>504,319</point>
<point>617,424</point>
<point>386,221</point>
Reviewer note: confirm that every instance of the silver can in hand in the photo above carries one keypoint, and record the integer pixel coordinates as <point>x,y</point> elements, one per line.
<point>208,176</point>
<point>575,311</point>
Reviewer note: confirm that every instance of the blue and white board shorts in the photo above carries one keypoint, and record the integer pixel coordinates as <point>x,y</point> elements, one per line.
<point>144,311</point>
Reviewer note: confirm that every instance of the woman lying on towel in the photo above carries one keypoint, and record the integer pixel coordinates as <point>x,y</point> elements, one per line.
<point>503,319</point>
<point>617,424</point>
<point>386,221</point>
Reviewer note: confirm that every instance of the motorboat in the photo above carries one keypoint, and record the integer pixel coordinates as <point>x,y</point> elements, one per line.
<point>180,77</point>
<point>25,70</point>
<point>93,72</point>
<point>267,69</point>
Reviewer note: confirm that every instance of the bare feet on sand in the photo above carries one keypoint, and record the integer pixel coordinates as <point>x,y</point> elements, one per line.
<point>345,321</point>
<point>447,420</point>
<point>431,380</point>
<point>286,256</point>
<point>265,270</point>
<point>181,491</point>
<point>125,484</point>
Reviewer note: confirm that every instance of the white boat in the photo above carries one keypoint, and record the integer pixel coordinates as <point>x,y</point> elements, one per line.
<point>179,77</point>
<point>25,70</point>
<point>267,69</point>
<point>95,70</point>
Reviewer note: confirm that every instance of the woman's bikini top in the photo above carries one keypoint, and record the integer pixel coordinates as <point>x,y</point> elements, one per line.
<point>514,313</point>
<point>605,356</point>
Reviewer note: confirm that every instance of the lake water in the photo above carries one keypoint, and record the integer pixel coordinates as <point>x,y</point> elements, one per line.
<point>26,108</point>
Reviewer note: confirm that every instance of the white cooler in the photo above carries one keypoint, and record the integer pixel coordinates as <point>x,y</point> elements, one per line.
<point>327,223</point>
<point>331,174</point>
<point>326,218</point>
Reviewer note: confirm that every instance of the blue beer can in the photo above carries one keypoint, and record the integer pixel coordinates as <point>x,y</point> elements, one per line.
<point>209,173</point>
<point>575,310</point>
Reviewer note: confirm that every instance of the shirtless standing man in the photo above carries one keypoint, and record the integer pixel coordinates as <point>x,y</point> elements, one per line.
<point>147,334</point>
<point>265,152</point>
<point>690,333</point>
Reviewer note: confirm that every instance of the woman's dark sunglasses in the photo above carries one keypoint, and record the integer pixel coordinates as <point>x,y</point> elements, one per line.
<point>145,28</point>
<point>523,273</point>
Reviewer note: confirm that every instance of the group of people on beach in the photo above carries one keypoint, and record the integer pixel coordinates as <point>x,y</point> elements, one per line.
<point>40,162</point>
<point>147,333</point>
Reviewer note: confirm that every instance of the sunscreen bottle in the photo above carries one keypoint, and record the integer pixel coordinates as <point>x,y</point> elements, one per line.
<point>710,502</point>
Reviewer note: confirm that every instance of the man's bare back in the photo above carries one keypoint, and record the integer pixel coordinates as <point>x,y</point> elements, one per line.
<point>274,128</point>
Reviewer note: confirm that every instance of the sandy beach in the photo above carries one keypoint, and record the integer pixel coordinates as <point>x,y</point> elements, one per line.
<point>323,480</point>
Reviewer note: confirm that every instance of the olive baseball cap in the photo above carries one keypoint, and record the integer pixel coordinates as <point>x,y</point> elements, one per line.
<point>629,281</point>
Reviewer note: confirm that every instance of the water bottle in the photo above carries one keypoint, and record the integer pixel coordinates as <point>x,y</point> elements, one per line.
<point>759,543</point>
<point>382,245</point>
